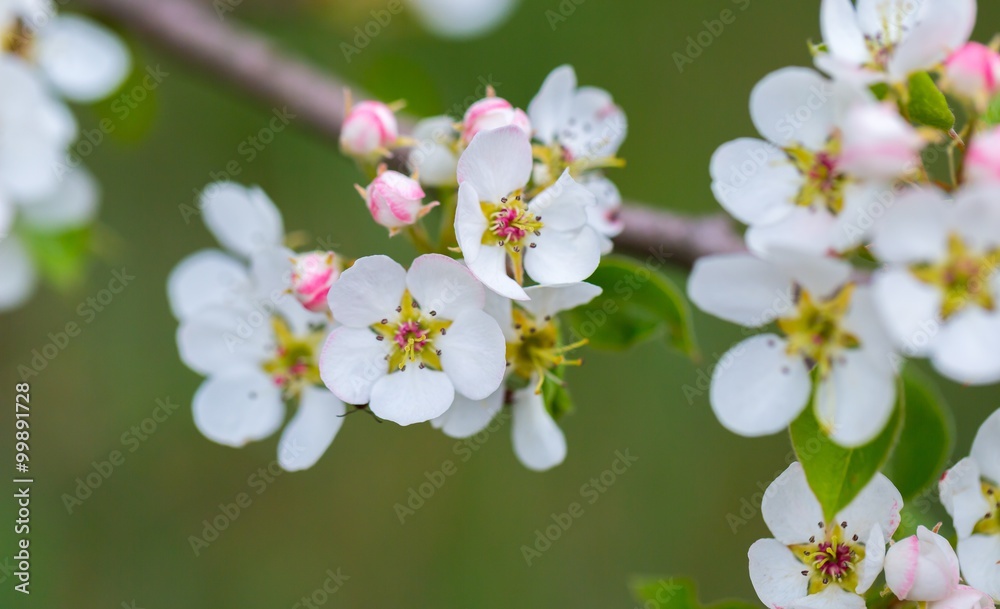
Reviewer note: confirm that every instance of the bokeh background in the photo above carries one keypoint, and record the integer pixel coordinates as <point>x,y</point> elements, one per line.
<point>666,515</point>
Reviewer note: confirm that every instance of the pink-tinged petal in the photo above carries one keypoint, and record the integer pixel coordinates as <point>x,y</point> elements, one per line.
<point>776,574</point>
<point>878,144</point>
<point>413,395</point>
<point>351,362</point>
<point>964,597</point>
<point>370,128</point>
<point>757,388</point>
<point>922,567</point>
<point>790,508</point>
<point>496,163</point>
<point>311,430</point>
<point>367,292</point>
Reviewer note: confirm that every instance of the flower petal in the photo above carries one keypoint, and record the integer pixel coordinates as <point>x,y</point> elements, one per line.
<point>468,417</point>
<point>18,279</point>
<point>754,181</point>
<point>470,222</point>
<point>550,108</point>
<point>910,309</point>
<point>538,442</point>
<point>874,560</point>
<point>203,279</point>
<point>563,206</point>
<point>986,448</point>
<point>432,157</point>
<point>445,286</point>
<point>841,31</point>
<point>73,204</point>
<point>961,492</point>
<point>413,395</point>
<point>550,300</point>
<point>367,292</point>
<point>757,388</point>
<point>943,27</point>
<point>241,406</point>
<point>242,219</point>
<point>496,163</point>
<point>351,362</point>
<point>473,354</point>
<point>792,106</point>
<point>965,348</point>
<point>490,267</point>
<point>878,503</point>
<point>219,338</point>
<point>741,288</point>
<point>808,230</point>
<point>855,402</point>
<point>563,257</point>
<point>84,60</point>
<point>832,597</point>
<point>914,229</point>
<point>311,430</point>
<point>790,508</point>
<point>776,574</point>
<point>980,559</point>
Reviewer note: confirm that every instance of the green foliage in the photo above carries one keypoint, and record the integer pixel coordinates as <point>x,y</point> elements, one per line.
<point>60,256</point>
<point>992,116</point>
<point>837,474</point>
<point>638,303</point>
<point>927,104</point>
<point>676,593</point>
<point>927,438</point>
<point>128,114</point>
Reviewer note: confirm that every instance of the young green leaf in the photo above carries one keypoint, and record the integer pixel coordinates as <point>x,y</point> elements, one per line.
<point>837,474</point>
<point>638,303</point>
<point>928,105</point>
<point>926,440</point>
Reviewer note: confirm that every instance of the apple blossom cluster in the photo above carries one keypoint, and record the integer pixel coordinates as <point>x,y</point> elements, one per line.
<point>46,60</point>
<point>872,205</point>
<point>520,195</point>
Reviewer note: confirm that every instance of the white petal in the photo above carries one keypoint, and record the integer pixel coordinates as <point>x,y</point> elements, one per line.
<point>496,163</point>
<point>980,558</point>
<point>792,107</point>
<point>413,395</point>
<point>468,417</point>
<point>18,279</point>
<point>790,508</point>
<point>832,597</point>
<point>870,568</point>
<point>741,288</point>
<point>242,219</point>
<point>550,300</point>
<point>563,206</point>
<point>855,402</point>
<point>72,204</point>
<point>754,181</point>
<point>219,338</point>
<point>596,127</point>
<point>878,503</point>
<point>490,267</point>
<point>820,275</point>
<point>473,354</point>
<point>83,59</point>
<point>367,292</point>
<point>809,230</point>
<point>910,309</point>
<point>470,222</point>
<point>915,229</point>
<point>271,271</point>
<point>538,442</point>
<point>462,18</point>
<point>311,430</point>
<point>550,108</point>
<point>757,388</point>
<point>945,25</point>
<point>965,348</point>
<point>776,574</point>
<point>238,407</point>
<point>961,492</point>
<point>445,286</point>
<point>351,362</point>
<point>563,257</point>
<point>841,32</point>
<point>986,448</point>
<point>964,597</point>
<point>203,279</point>
<point>864,203</point>
<point>432,155</point>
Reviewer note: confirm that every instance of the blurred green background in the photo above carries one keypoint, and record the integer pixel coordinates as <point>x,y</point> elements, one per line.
<point>667,514</point>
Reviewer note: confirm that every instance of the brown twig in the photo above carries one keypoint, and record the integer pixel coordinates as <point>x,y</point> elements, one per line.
<point>249,62</point>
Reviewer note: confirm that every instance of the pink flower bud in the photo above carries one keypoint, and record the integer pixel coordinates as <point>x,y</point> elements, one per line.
<point>312,276</point>
<point>982,161</point>
<point>396,200</point>
<point>923,567</point>
<point>492,113</point>
<point>973,72</point>
<point>369,128</point>
<point>964,597</point>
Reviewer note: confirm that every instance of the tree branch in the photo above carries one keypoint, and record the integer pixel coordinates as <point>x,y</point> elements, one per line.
<point>249,62</point>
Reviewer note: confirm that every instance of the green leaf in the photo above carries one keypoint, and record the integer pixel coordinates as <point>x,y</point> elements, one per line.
<point>927,438</point>
<point>675,593</point>
<point>557,399</point>
<point>638,303</point>
<point>60,256</point>
<point>992,116</point>
<point>837,474</point>
<point>927,104</point>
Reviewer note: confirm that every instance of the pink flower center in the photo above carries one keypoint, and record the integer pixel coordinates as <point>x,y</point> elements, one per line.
<point>408,331</point>
<point>505,225</point>
<point>835,562</point>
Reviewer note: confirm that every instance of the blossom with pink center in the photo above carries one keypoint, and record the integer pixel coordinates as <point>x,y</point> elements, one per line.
<point>369,130</point>
<point>312,275</point>
<point>982,161</point>
<point>492,113</point>
<point>922,567</point>
<point>396,201</point>
<point>973,72</point>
